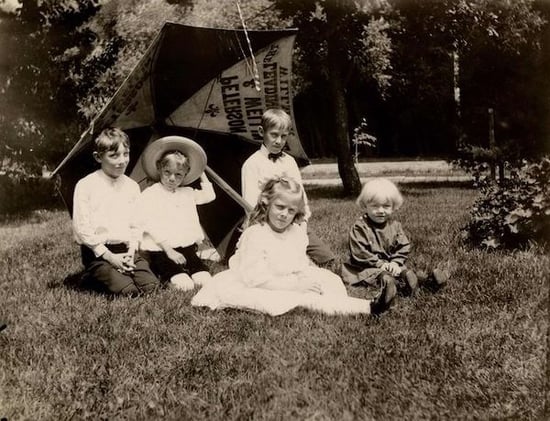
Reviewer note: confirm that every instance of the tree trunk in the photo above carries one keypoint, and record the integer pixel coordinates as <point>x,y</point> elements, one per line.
<point>492,143</point>
<point>336,61</point>
<point>456,94</point>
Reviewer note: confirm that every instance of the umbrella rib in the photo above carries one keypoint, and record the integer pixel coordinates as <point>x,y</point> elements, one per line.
<point>254,71</point>
<point>228,189</point>
<point>249,68</point>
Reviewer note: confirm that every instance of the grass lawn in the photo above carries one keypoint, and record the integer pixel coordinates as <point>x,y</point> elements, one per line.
<point>476,350</point>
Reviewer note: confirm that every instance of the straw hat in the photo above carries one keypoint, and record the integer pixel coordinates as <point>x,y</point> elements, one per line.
<point>191,149</point>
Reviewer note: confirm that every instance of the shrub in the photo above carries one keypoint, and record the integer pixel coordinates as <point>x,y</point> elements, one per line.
<point>22,191</point>
<point>515,211</point>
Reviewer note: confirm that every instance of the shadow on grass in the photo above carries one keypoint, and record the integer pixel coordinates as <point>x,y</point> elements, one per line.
<point>29,216</point>
<point>79,282</point>
<point>466,185</point>
<point>326,192</point>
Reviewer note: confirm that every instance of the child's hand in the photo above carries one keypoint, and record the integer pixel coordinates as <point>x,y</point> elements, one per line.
<point>117,260</point>
<point>394,268</point>
<point>128,262</point>
<point>315,287</point>
<point>176,257</point>
<point>307,285</point>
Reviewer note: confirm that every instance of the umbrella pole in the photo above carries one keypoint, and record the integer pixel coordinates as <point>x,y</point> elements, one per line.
<point>228,189</point>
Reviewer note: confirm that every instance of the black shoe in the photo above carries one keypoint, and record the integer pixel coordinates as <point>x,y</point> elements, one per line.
<point>3,326</point>
<point>437,280</point>
<point>411,282</point>
<point>383,301</point>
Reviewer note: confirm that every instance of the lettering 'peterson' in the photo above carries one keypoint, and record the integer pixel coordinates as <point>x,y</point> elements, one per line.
<point>232,107</point>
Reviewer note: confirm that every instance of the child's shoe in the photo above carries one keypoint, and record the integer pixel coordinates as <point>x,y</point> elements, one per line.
<point>422,276</point>
<point>440,278</point>
<point>182,282</point>
<point>383,301</point>
<point>411,282</point>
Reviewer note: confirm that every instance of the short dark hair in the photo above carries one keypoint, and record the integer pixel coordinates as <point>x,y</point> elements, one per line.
<point>110,139</point>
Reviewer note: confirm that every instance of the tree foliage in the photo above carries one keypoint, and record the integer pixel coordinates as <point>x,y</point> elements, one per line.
<point>498,49</point>
<point>38,115</point>
<point>256,14</point>
<point>384,63</point>
<point>123,30</point>
<point>515,211</point>
<point>339,42</point>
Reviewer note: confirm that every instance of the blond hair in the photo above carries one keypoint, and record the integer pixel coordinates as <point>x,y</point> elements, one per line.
<point>273,189</point>
<point>276,117</point>
<point>379,190</point>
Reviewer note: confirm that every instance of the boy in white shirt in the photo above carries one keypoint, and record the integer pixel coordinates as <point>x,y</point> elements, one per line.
<point>104,223</point>
<point>271,162</point>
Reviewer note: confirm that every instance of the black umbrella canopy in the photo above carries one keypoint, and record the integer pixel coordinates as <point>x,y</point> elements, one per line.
<point>210,85</point>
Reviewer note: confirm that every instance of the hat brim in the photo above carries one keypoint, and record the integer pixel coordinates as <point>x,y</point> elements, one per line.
<point>192,150</point>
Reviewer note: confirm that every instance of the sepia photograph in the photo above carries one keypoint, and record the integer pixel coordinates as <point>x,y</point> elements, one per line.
<point>274,210</point>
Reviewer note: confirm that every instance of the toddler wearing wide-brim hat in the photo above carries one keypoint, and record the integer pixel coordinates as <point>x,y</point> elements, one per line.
<point>168,211</point>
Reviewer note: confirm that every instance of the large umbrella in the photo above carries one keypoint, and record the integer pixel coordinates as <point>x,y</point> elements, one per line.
<point>210,85</point>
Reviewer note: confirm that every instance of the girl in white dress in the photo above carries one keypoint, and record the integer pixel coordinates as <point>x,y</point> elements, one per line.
<point>270,271</point>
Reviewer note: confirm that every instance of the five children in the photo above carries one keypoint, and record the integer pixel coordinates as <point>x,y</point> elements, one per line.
<point>124,250</point>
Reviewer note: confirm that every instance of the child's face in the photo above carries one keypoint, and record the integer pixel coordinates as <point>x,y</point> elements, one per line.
<point>282,211</point>
<point>274,138</point>
<point>172,175</point>
<point>379,210</point>
<point>114,163</point>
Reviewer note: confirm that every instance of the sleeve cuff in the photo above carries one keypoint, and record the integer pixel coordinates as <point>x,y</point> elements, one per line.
<point>99,250</point>
<point>133,246</point>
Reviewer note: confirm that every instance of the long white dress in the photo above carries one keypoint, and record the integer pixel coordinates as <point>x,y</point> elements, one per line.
<point>265,257</point>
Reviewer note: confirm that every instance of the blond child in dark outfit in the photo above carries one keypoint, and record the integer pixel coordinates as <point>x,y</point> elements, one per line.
<point>379,247</point>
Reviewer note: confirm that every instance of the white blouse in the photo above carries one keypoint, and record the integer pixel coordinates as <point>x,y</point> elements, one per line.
<point>258,169</point>
<point>104,211</point>
<point>264,255</point>
<point>170,217</point>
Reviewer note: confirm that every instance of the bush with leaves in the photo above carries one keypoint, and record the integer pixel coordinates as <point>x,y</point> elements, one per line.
<point>515,211</point>
<point>22,190</point>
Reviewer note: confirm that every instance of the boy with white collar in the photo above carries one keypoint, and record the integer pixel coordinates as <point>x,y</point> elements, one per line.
<point>104,223</point>
<point>271,162</point>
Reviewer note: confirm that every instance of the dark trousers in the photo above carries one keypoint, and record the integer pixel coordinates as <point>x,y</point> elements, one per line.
<point>165,268</point>
<point>106,278</point>
<point>317,250</point>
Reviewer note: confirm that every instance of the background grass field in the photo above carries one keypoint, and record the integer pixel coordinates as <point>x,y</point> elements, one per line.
<point>473,351</point>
